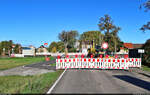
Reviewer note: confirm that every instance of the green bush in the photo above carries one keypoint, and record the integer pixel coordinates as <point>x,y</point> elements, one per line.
<point>146,55</point>
<point>72,49</point>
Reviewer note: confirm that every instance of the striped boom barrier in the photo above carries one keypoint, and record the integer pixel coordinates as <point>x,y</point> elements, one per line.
<point>135,62</point>
<point>99,63</point>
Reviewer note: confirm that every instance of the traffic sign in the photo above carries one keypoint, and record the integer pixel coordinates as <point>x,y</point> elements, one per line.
<point>140,50</point>
<point>45,43</point>
<point>105,45</point>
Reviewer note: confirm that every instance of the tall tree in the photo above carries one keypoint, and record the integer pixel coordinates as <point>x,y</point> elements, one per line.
<point>89,36</point>
<point>68,37</point>
<point>146,6</point>
<point>146,56</point>
<point>110,30</point>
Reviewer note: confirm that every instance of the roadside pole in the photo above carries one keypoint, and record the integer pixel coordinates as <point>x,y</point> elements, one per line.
<point>46,58</point>
<point>104,46</point>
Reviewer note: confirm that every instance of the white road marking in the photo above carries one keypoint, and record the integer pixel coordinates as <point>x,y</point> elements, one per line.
<point>50,90</point>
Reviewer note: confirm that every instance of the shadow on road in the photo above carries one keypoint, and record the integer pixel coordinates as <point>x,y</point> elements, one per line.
<point>134,81</point>
<point>144,74</point>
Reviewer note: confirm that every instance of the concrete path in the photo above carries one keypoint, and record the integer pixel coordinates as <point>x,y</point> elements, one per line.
<point>102,81</point>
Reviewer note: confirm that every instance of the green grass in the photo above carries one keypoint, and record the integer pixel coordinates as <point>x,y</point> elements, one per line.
<point>54,64</point>
<point>145,68</point>
<point>7,63</point>
<point>28,84</point>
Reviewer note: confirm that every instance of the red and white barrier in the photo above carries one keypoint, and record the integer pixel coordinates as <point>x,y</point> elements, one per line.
<point>135,62</point>
<point>100,63</point>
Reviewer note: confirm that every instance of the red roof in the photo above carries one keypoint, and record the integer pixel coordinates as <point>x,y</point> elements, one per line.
<point>138,45</point>
<point>128,45</point>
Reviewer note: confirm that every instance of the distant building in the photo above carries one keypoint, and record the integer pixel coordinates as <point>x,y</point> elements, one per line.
<point>83,46</point>
<point>132,46</point>
<point>77,45</point>
<point>42,49</point>
<point>137,46</point>
<point>86,45</point>
<point>129,46</point>
<point>28,51</point>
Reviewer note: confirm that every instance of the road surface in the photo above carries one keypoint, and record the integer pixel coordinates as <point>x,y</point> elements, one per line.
<point>43,65</point>
<point>102,81</point>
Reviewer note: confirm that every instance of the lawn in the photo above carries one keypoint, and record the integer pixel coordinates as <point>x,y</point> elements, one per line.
<point>28,84</point>
<point>145,68</point>
<point>7,63</point>
<point>54,64</point>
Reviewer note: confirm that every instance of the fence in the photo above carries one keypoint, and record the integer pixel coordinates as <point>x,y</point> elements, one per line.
<point>99,63</point>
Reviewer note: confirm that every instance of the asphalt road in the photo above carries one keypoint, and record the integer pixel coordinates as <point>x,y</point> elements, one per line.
<point>102,81</point>
<point>43,65</point>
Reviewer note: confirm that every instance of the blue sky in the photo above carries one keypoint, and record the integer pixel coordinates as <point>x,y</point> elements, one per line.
<point>38,21</point>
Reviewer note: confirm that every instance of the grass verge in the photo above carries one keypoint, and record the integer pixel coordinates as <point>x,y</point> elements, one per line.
<point>28,84</point>
<point>145,68</point>
<point>54,64</point>
<point>7,63</point>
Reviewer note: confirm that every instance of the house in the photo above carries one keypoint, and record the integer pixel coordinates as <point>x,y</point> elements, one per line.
<point>77,45</point>
<point>82,46</point>
<point>28,51</point>
<point>132,46</point>
<point>137,46</point>
<point>128,47</point>
<point>86,45</point>
<point>42,49</point>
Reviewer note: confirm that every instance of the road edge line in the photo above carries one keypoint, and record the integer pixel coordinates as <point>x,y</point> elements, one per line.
<point>50,90</point>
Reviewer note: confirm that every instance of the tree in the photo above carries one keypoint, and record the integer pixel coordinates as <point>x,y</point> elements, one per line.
<point>68,38</point>
<point>53,44</point>
<point>110,33</point>
<point>106,24</point>
<point>89,36</point>
<point>7,45</point>
<point>54,50</point>
<point>58,45</point>
<point>17,48</point>
<point>146,57</point>
<point>146,5</point>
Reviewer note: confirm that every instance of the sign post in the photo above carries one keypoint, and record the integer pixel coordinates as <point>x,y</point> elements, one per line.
<point>104,46</point>
<point>46,58</point>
